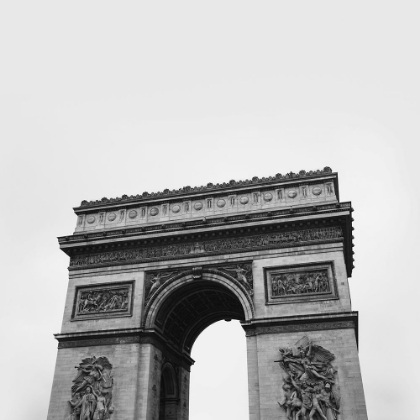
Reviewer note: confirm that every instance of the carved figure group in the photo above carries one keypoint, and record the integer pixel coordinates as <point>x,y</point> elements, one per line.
<point>216,246</point>
<point>105,300</point>
<point>92,390</point>
<point>300,283</point>
<point>310,388</point>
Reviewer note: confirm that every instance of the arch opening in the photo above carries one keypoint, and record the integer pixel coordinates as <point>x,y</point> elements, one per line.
<point>219,377</point>
<point>179,312</point>
<point>194,306</point>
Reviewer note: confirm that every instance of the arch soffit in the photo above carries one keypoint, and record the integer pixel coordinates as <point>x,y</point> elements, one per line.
<point>165,291</point>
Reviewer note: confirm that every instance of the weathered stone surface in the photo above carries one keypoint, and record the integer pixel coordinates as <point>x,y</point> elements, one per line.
<point>189,203</point>
<point>274,253</point>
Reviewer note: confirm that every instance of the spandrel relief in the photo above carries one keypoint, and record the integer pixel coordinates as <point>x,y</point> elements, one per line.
<point>242,273</point>
<point>238,272</point>
<point>310,385</point>
<point>155,280</point>
<point>91,392</point>
<point>103,301</point>
<point>296,283</point>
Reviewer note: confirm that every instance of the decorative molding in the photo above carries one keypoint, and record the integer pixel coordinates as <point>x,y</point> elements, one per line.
<point>118,337</point>
<point>299,283</point>
<point>91,342</point>
<point>279,329</point>
<point>218,246</point>
<point>209,187</point>
<point>103,301</point>
<point>124,232</point>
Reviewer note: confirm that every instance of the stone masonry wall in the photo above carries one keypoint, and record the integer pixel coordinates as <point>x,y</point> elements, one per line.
<point>69,325</point>
<point>268,387</point>
<point>126,370</point>
<point>299,257</point>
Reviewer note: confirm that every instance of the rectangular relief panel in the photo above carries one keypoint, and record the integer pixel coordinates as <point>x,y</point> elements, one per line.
<point>300,283</point>
<point>103,301</point>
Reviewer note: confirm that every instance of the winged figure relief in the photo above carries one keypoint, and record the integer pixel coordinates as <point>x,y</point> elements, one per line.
<point>157,280</point>
<point>92,390</point>
<point>242,274</point>
<point>310,386</point>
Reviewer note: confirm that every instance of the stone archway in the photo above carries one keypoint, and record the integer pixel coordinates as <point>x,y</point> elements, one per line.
<point>178,311</point>
<point>182,308</point>
<point>149,273</point>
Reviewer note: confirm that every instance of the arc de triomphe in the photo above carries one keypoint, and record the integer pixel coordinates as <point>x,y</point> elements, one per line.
<point>149,273</point>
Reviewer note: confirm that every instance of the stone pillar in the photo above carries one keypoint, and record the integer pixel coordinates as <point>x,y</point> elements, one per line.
<point>126,373</point>
<point>184,397</point>
<point>148,389</point>
<point>270,375</point>
<point>253,380</point>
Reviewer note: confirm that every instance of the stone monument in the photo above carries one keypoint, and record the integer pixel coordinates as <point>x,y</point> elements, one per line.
<point>149,273</point>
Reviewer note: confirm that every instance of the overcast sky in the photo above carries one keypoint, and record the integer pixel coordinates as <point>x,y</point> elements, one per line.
<point>102,98</point>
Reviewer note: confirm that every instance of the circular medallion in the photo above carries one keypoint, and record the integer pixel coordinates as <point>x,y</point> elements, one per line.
<point>268,197</point>
<point>132,214</point>
<point>317,191</point>
<point>112,217</point>
<point>292,193</point>
<point>176,208</point>
<point>154,211</point>
<point>90,219</point>
<point>221,203</point>
<point>198,205</point>
<point>244,199</point>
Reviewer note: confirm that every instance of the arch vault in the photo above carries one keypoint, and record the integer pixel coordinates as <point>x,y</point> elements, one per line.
<point>149,273</point>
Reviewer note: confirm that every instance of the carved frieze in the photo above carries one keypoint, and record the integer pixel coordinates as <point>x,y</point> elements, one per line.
<point>310,387</point>
<point>91,393</point>
<point>218,246</point>
<point>300,283</point>
<point>104,300</point>
<point>241,272</point>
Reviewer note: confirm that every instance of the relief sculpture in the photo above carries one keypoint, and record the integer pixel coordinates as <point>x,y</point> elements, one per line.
<point>92,390</point>
<point>310,388</point>
<point>242,273</point>
<point>300,283</point>
<point>103,300</point>
<point>96,301</point>
<point>219,246</point>
<point>155,280</point>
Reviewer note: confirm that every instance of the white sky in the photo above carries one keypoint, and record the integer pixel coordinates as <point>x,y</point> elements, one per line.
<point>102,98</point>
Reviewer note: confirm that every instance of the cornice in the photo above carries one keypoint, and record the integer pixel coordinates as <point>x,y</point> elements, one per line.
<point>204,223</point>
<point>204,229</point>
<point>303,323</point>
<point>122,336</point>
<point>209,188</point>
